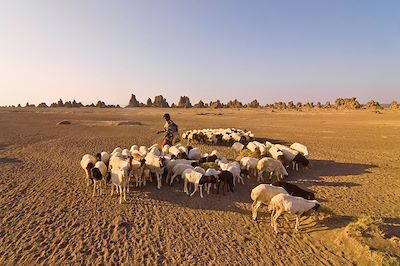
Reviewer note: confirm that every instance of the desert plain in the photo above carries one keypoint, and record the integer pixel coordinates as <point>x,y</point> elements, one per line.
<point>49,217</point>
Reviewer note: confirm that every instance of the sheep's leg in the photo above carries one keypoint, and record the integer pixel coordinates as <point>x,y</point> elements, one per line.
<point>185,189</point>
<point>297,222</point>
<point>218,187</point>
<point>275,218</point>
<point>208,188</point>
<point>201,191</point>
<point>241,178</point>
<point>255,208</point>
<point>158,180</point>
<point>297,167</point>
<point>260,176</point>
<point>172,178</point>
<point>112,189</point>
<point>124,190</point>
<point>196,187</point>
<point>94,189</point>
<point>120,197</point>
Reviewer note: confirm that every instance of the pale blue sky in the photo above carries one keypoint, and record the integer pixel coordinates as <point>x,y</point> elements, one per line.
<point>310,50</point>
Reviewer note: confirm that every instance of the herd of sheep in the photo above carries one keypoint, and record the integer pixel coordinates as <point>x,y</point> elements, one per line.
<point>166,164</point>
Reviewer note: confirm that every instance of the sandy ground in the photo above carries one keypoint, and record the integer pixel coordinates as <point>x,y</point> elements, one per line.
<point>49,217</point>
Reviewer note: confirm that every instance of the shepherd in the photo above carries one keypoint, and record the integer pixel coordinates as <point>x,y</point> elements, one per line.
<point>171,131</point>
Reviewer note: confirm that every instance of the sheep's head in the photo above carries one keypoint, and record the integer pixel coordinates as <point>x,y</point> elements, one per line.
<point>162,162</point>
<point>189,148</point>
<point>142,161</point>
<point>194,164</point>
<point>98,156</point>
<point>316,207</point>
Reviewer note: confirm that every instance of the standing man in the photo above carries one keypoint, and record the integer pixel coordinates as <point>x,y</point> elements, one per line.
<point>171,131</point>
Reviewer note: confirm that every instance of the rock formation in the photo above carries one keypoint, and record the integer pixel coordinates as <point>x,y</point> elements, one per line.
<point>200,104</point>
<point>216,104</point>
<point>234,104</point>
<point>133,102</point>
<point>159,101</point>
<point>347,103</point>
<point>372,105</point>
<point>184,102</point>
<point>394,105</point>
<point>42,105</point>
<point>254,104</point>
<point>149,103</point>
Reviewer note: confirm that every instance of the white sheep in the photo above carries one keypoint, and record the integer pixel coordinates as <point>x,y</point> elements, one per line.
<point>143,150</point>
<point>235,170</point>
<point>103,156</point>
<point>250,164</point>
<point>99,173</point>
<point>263,193</point>
<point>196,178</point>
<point>118,149</point>
<point>276,154</point>
<point>252,146</point>
<point>134,148</point>
<point>287,203</point>
<point>218,154</point>
<point>272,166</point>
<point>300,148</point>
<point>237,147</point>
<point>200,170</point>
<point>119,177</point>
<point>165,149</point>
<point>126,153</point>
<point>155,151</point>
<point>169,165</point>
<point>156,165</point>
<point>178,170</point>
<point>137,168</point>
<point>87,162</point>
<point>194,154</point>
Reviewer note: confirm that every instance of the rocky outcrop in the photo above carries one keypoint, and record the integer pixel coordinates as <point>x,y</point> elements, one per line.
<point>216,104</point>
<point>101,104</point>
<point>280,105</point>
<point>347,103</point>
<point>133,102</point>
<point>184,102</point>
<point>149,103</point>
<point>42,105</point>
<point>200,104</point>
<point>291,105</point>
<point>160,101</point>
<point>394,105</point>
<point>328,105</point>
<point>372,105</point>
<point>234,104</point>
<point>29,105</point>
<point>254,104</point>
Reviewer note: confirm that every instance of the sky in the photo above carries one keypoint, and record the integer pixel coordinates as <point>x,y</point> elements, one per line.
<point>300,50</point>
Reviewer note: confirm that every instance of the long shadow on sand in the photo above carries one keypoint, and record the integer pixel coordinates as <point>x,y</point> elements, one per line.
<point>321,168</point>
<point>239,201</point>
<point>10,160</point>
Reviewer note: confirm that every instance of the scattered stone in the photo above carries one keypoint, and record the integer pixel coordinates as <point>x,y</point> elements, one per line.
<point>64,122</point>
<point>129,123</point>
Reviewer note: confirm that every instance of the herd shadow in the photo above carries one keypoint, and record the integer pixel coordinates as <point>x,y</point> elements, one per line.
<point>239,201</point>
<point>10,160</point>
